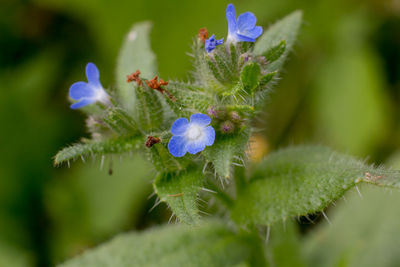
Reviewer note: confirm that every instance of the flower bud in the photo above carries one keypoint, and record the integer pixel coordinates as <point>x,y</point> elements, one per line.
<point>227,127</point>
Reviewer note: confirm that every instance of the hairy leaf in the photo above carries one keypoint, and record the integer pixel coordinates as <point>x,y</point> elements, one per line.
<point>135,54</point>
<point>301,180</point>
<point>225,151</point>
<point>285,29</point>
<point>149,109</point>
<point>164,162</point>
<point>120,122</point>
<point>189,99</point>
<point>91,148</point>
<point>180,192</point>
<point>208,245</point>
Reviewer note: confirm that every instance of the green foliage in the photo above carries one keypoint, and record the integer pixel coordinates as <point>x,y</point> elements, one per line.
<point>301,180</point>
<point>135,54</point>
<point>211,244</point>
<point>274,53</point>
<point>225,151</point>
<point>148,108</point>
<point>190,98</point>
<point>180,192</point>
<point>284,30</point>
<point>120,122</point>
<point>364,232</point>
<point>250,77</point>
<point>92,148</point>
<point>163,161</point>
<point>267,78</point>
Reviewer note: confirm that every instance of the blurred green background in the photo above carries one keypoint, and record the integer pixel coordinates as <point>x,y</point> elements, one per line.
<point>340,88</point>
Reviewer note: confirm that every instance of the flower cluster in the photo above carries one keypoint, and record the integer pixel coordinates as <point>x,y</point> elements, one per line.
<point>188,136</point>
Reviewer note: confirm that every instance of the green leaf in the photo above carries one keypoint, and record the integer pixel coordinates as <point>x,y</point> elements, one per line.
<point>223,152</point>
<point>267,78</point>
<point>285,29</point>
<point>275,52</point>
<point>190,98</point>
<point>250,77</point>
<point>149,109</point>
<point>300,180</point>
<point>363,232</point>
<point>163,161</point>
<point>180,192</point>
<point>208,245</point>
<point>91,148</point>
<point>135,54</point>
<point>120,122</point>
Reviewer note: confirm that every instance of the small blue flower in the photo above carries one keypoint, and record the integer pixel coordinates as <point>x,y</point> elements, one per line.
<point>211,43</point>
<point>91,92</point>
<point>192,136</point>
<point>243,29</point>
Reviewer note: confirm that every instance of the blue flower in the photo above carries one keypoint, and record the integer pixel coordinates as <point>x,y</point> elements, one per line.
<point>191,136</point>
<point>211,43</point>
<point>91,92</point>
<point>243,29</point>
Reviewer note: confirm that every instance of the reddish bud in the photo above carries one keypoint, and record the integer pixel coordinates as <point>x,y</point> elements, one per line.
<point>134,77</point>
<point>151,140</point>
<point>203,34</point>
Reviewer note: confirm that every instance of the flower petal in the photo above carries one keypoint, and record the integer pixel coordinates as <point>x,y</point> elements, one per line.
<point>83,102</point>
<point>177,146</point>
<point>200,119</point>
<point>209,133</point>
<point>255,33</point>
<point>246,21</point>
<point>196,146</point>
<point>179,126</point>
<point>231,18</point>
<point>220,41</point>
<point>93,74</point>
<point>80,90</point>
<point>243,38</point>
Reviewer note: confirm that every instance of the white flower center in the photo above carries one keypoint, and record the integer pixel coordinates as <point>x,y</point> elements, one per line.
<point>194,132</point>
<point>102,96</point>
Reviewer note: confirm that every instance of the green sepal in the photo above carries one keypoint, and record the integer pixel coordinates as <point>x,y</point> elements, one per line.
<point>214,69</point>
<point>120,121</point>
<point>267,78</point>
<point>275,52</point>
<point>148,108</point>
<point>250,77</point>
<point>190,98</point>
<point>226,150</point>
<point>163,161</point>
<point>179,191</point>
